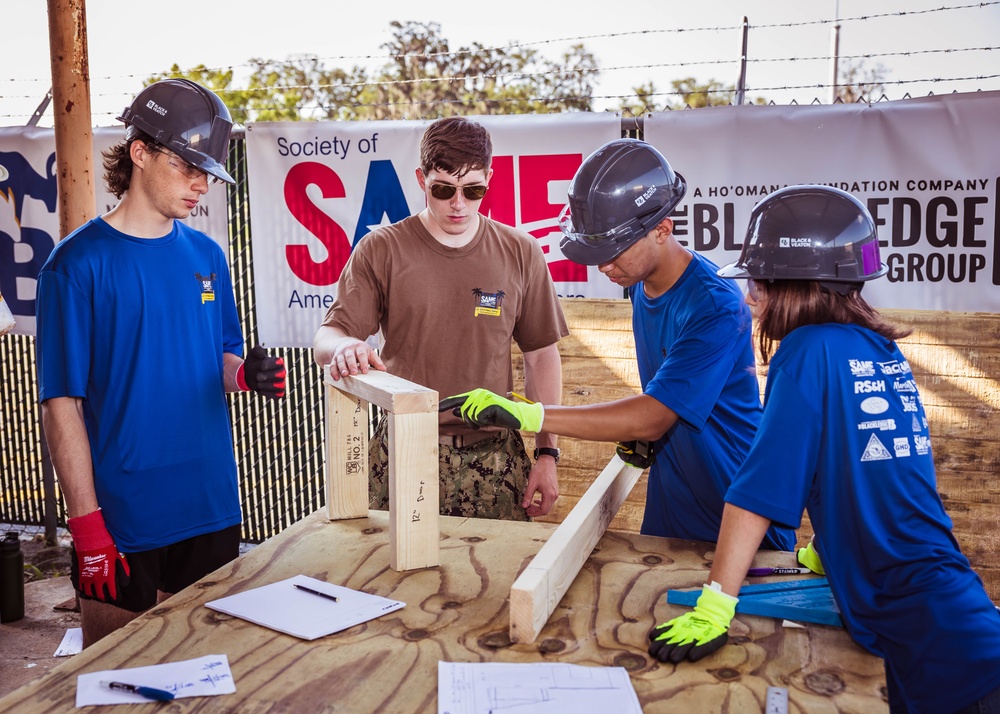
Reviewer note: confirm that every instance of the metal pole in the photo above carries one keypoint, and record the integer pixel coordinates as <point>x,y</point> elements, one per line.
<point>834,51</point>
<point>71,110</point>
<point>741,83</point>
<point>40,111</point>
<point>74,156</point>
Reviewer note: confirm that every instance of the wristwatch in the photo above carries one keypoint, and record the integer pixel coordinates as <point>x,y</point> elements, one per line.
<point>547,451</point>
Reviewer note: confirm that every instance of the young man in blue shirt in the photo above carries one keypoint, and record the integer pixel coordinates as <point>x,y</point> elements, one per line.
<point>138,343</point>
<point>700,404</point>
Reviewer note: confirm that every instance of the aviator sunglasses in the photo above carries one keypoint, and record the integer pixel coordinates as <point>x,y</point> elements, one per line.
<point>444,191</point>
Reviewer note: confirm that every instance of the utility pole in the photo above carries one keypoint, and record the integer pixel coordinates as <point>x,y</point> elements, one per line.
<point>834,50</point>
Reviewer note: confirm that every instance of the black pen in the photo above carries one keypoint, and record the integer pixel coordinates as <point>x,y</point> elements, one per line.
<point>328,596</point>
<point>757,572</point>
<point>158,695</point>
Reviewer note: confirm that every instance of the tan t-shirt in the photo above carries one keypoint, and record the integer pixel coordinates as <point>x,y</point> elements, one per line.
<point>448,314</point>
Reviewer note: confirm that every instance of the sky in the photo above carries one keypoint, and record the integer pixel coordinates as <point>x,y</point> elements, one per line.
<point>789,43</point>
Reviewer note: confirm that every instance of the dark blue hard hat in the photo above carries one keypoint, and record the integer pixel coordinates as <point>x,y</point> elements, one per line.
<point>810,232</point>
<point>618,195</point>
<point>188,119</point>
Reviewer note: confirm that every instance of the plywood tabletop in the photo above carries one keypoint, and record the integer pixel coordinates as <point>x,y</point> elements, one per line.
<point>459,612</point>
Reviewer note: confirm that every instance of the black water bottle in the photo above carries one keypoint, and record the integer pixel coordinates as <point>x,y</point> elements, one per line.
<point>11,578</point>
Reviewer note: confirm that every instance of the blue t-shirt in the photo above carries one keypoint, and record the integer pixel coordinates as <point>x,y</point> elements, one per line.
<point>137,328</point>
<point>693,344</point>
<point>845,436</point>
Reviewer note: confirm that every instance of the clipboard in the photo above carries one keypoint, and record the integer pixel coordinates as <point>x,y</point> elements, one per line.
<point>283,607</point>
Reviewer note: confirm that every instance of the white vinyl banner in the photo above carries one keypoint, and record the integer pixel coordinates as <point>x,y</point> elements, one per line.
<point>317,188</point>
<point>29,222</point>
<point>928,169</point>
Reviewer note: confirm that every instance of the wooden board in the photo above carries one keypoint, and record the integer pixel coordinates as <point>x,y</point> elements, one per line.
<point>538,590</point>
<point>413,491</point>
<point>459,613</point>
<point>392,393</point>
<point>346,455</point>
<point>412,443</point>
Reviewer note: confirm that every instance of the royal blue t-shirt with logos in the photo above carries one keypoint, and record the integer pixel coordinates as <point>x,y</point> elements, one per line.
<point>844,435</point>
<point>137,328</point>
<point>693,345</point>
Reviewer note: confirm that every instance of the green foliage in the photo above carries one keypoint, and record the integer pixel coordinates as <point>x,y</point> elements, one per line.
<point>859,83</point>
<point>423,79</point>
<point>687,94</point>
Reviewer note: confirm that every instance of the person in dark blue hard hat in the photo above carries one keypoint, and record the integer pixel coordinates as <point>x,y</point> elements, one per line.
<point>700,406</point>
<point>844,436</point>
<point>138,343</point>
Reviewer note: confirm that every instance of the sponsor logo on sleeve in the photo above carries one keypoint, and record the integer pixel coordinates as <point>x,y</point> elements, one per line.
<point>894,367</point>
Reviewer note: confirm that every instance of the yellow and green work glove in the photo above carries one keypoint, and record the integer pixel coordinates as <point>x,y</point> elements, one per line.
<point>481,407</point>
<point>810,558</point>
<point>698,633</point>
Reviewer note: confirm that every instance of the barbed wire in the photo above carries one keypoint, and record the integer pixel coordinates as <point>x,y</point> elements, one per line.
<point>593,97</point>
<point>632,33</point>
<point>322,108</point>
<point>592,70</point>
<point>621,68</point>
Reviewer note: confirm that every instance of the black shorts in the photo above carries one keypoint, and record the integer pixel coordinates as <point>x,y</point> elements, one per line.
<point>171,568</point>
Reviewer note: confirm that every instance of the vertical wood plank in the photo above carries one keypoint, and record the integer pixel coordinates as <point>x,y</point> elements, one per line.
<point>346,455</point>
<point>413,491</point>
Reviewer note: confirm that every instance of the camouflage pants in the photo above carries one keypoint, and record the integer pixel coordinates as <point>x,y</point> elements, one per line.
<point>484,480</point>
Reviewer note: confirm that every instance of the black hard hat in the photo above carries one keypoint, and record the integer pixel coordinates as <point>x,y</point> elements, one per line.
<point>618,195</point>
<point>810,233</point>
<point>188,119</point>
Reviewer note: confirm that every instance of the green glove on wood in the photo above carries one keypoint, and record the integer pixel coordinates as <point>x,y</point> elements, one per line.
<point>810,558</point>
<point>481,407</point>
<point>698,633</point>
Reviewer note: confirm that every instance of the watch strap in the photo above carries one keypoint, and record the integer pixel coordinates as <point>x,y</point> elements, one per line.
<point>547,451</point>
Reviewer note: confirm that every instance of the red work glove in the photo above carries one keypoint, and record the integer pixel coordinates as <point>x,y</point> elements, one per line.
<point>103,571</point>
<point>263,374</point>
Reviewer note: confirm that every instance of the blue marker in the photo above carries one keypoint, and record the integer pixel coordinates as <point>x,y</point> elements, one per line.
<point>157,695</point>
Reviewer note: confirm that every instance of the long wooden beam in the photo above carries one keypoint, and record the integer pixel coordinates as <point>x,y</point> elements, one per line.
<point>537,591</point>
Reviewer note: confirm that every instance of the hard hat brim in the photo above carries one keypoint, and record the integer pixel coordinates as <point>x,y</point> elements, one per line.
<point>733,271</point>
